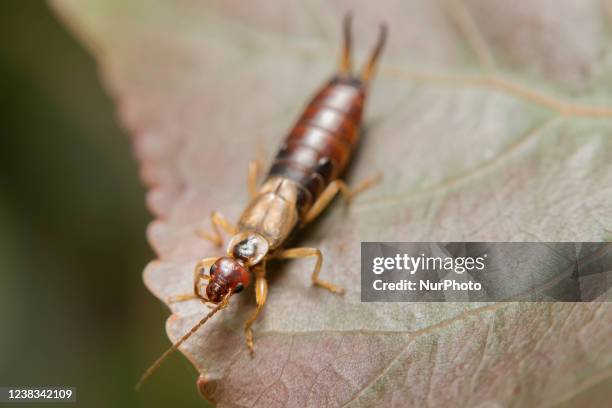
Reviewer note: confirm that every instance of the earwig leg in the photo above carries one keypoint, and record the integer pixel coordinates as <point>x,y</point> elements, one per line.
<point>190,296</point>
<point>254,170</point>
<point>261,294</point>
<point>345,59</point>
<point>181,298</point>
<point>255,167</point>
<point>294,253</point>
<point>332,189</point>
<point>368,69</point>
<point>202,265</point>
<point>217,220</point>
<point>198,276</point>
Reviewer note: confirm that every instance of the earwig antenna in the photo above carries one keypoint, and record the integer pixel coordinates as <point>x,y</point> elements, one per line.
<point>345,61</point>
<point>368,69</point>
<point>176,345</point>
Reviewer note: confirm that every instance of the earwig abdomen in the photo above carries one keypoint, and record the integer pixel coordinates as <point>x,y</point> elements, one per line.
<point>320,145</point>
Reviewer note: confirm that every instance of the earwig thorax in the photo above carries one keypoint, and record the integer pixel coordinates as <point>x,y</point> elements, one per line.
<point>248,247</point>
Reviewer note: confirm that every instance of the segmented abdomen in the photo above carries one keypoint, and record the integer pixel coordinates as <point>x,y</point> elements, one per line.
<point>320,144</point>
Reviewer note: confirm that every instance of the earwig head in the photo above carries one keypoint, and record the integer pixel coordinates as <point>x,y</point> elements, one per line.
<point>226,274</point>
<point>231,272</point>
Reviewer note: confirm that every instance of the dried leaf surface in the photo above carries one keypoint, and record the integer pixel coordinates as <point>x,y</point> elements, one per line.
<point>492,121</point>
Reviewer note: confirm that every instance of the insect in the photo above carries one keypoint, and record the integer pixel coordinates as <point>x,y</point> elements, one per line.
<point>300,184</point>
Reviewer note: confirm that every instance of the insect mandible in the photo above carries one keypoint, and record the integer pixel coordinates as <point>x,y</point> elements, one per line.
<point>302,181</point>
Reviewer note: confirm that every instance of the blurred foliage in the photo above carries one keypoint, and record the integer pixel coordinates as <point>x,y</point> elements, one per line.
<point>73,309</point>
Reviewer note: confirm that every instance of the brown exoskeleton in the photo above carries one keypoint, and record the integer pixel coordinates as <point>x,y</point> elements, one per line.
<point>302,181</point>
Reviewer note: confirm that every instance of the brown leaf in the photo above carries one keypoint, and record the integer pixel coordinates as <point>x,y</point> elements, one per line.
<point>491,121</point>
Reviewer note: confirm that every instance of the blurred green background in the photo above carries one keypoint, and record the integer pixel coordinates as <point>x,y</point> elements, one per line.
<point>73,309</point>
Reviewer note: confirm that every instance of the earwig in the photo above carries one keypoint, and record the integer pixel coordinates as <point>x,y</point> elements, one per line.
<point>302,181</point>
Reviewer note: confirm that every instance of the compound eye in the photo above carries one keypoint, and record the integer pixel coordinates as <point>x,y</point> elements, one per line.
<point>213,268</point>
